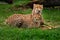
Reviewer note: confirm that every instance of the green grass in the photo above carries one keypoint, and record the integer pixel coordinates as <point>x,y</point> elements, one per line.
<point>29,34</point>
<point>7,32</point>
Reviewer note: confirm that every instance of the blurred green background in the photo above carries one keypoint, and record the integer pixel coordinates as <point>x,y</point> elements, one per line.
<point>50,15</point>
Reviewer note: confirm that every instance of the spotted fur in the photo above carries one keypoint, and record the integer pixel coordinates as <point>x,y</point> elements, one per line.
<point>29,20</point>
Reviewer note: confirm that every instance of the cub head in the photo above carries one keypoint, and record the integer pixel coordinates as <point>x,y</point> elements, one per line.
<point>36,18</point>
<point>37,9</point>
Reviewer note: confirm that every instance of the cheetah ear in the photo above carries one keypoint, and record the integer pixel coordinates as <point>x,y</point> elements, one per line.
<point>41,6</point>
<point>34,5</point>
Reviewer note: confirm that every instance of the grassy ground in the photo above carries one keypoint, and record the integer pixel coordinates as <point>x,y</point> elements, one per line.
<point>51,16</point>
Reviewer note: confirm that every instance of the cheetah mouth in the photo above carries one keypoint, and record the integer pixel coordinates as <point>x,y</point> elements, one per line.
<point>36,22</point>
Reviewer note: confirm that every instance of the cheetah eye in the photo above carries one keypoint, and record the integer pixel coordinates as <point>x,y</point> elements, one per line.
<point>34,17</point>
<point>39,16</point>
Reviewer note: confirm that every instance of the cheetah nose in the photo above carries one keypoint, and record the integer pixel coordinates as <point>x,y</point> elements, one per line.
<point>38,11</point>
<point>37,19</point>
